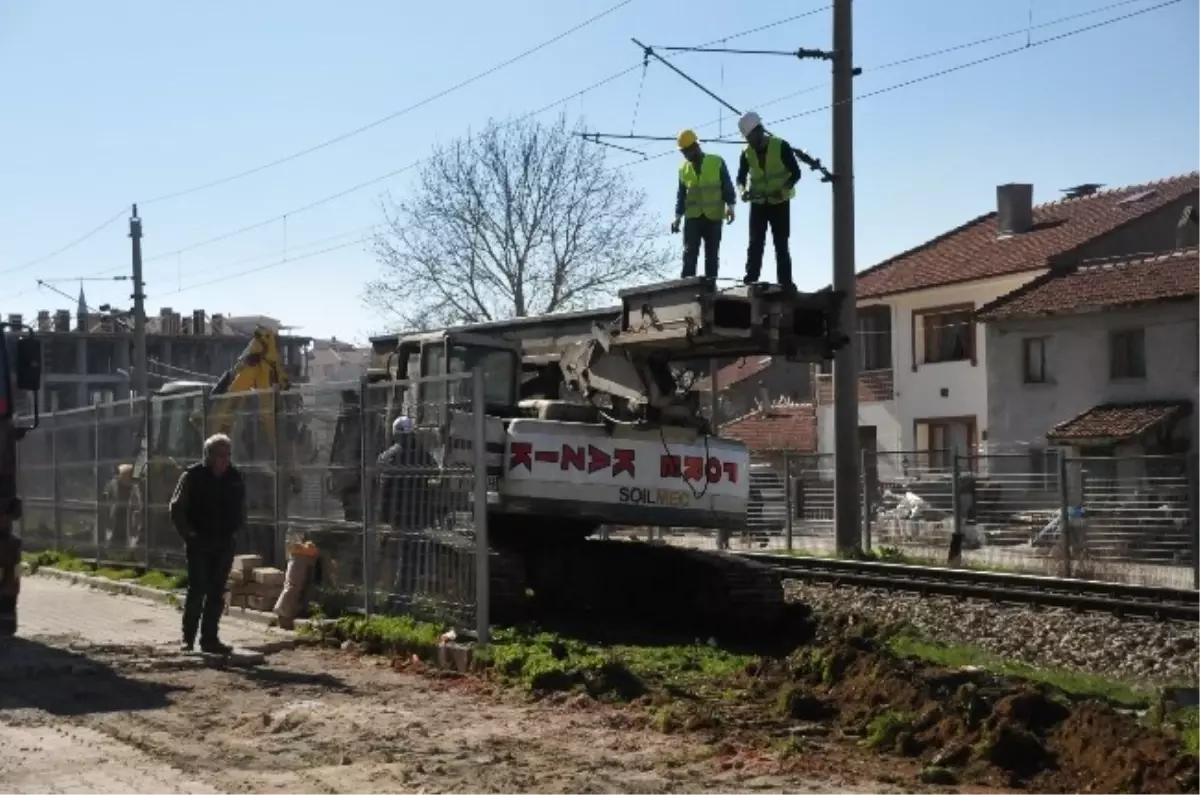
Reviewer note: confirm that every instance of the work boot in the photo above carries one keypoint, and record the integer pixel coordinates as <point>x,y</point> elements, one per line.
<point>215,646</point>
<point>186,646</point>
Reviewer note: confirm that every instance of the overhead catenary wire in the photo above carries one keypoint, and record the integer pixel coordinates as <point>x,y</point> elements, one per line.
<point>943,72</point>
<point>415,164</point>
<point>82,238</point>
<point>391,116</point>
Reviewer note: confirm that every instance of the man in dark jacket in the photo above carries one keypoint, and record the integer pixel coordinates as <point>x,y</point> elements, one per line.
<point>208,508</point>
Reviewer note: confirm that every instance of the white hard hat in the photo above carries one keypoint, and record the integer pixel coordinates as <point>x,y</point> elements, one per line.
<point>401,425</point>
<point>748,123</point>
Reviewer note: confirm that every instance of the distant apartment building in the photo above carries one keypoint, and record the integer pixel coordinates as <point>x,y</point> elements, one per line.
<point>334,361</point>
<point>89,357</point>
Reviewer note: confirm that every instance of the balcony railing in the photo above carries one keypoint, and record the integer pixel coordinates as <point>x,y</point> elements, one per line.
<point>874,386</point>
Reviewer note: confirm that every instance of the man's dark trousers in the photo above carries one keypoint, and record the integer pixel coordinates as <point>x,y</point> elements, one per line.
<point>778,218</point>
<point>695,231</point>
<point>208,565</point>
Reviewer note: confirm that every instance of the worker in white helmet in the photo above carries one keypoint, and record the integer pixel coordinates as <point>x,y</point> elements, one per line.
<point>767,175</point>
<point>704,196</point>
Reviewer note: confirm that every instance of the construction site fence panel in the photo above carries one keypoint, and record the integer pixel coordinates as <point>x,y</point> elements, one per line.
<point>1130,518</point>
<point>394,517</point>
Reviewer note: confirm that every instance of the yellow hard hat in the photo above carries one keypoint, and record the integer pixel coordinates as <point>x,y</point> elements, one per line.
<point>687,138</point>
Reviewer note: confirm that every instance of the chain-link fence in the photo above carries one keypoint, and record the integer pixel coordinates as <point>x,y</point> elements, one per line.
<point>392,514</point>
<point>1132,519</point>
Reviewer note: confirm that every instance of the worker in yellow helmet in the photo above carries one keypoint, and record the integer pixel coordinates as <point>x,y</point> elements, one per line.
<point>767,177</point>
<point>705,195</point>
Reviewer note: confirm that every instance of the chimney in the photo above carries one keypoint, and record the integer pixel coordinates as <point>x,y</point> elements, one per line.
<point>764,399</point>
<point>197,321</point>
<point>185,325</point>
<point>1187,231</point>
<point>62,320</point>
<point>15,320</point>
<point>1014,208</point>
<point>43,321</point>
<point>218,323</point>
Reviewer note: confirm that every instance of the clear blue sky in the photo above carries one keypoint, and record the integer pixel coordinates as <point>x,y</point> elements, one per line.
<point>110,103</point>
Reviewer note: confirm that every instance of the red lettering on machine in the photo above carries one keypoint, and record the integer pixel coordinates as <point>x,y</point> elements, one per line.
<point>695,467</point>
<point>578,457</point>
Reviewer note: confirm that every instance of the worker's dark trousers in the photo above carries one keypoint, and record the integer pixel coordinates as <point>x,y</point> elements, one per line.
<point>696,230</point>
<point>778,217</point>
<point>208,567</point>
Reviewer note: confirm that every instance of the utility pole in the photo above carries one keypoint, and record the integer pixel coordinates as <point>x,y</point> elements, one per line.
<point>141,370</point>
<point>847,496</point>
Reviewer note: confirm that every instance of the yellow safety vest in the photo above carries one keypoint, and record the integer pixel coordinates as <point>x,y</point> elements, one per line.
<point>771,179</point>
<point>703,198</point>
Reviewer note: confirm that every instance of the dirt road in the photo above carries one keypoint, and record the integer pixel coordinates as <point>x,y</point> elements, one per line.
<point>104,705</point>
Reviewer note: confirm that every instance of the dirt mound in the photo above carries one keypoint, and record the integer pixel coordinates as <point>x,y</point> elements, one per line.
<point>982,727</point>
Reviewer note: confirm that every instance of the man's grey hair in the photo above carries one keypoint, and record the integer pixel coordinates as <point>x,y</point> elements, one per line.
<point>214,441</point>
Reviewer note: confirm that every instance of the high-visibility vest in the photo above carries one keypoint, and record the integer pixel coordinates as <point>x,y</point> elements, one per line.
<point>770,177</point>
<point>703,197</point>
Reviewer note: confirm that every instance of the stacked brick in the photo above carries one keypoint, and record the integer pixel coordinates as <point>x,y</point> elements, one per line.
<point>254,586</point>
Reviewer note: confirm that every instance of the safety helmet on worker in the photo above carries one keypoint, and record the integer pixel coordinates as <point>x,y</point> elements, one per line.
<point>401,426</point>
<point>687,138</point>
<point>748,122</point>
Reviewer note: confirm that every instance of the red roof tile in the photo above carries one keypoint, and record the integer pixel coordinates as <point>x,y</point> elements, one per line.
<point>1102,284</point>
<point>792,428</point>
<point>739,371</point>
<point>975,250</point>
<point>1116,421</point>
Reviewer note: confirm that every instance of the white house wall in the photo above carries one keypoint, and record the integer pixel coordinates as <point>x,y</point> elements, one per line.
<point>918,394</point>
<point>1077,367</point>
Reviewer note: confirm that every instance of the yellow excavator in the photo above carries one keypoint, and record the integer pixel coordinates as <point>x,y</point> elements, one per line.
<point>182,415</point>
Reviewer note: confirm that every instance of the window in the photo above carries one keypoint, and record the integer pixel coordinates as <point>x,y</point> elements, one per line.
<point>499,371</point>
<point>944,334</point>
<point>874,338</point>
<point>1127,353</point>
<point>1033,358</point>
<point>874,341</point>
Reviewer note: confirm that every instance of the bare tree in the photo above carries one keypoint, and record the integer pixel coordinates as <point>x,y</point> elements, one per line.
<point>524,218</point>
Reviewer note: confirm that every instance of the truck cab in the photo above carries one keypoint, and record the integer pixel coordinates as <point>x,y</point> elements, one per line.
<point>25,361</point>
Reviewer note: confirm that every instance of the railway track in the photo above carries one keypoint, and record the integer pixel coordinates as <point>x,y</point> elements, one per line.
<point>1086,595</point>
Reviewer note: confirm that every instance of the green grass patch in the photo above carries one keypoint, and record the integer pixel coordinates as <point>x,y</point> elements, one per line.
<point>884,731</point>
<point>1187,721</point>
<point>540,661</point>
<point>68,561</point>
<point>1073,683</point>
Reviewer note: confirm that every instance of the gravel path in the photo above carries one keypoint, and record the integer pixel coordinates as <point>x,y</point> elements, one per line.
<point>1141,650</point>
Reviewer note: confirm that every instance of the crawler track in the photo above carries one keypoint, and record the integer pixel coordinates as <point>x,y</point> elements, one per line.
<point>1131,600</point>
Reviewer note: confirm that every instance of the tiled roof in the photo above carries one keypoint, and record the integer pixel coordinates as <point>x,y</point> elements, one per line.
<point>1117,421</point>
<point>1112,283</point>
<point>976,251</point>
<point>792,428</point>
<point>730,374</point>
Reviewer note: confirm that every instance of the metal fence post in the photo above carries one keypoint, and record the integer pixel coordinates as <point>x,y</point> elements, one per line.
<point>56,491</point>
<point>279,512</point>
<point>789,502</point>
<point>479,457</point>
<point>97,478</point>
<point>956,537</point>
<point>868,493</point>
<point>364,495</point>
<point>147,488</point>
<point>1193,490</point>
<point>1064,513</point>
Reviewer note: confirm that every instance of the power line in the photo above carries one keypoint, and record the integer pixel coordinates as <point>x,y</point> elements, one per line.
<point>391,116</point>
<point>989,58</point>
<point>268,266</point>
<point>116,216</point>
<point>417,163</point>
<point>941,73</point>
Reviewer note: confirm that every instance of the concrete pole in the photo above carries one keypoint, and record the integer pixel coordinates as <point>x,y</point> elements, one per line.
<point>141,371</point>
<point>847,525</point>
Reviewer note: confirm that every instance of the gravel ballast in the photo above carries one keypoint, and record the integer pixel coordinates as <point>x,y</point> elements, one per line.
<point>1138,650</point>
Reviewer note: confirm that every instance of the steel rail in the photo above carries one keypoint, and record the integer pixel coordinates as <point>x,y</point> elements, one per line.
<point>1119,598</point>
